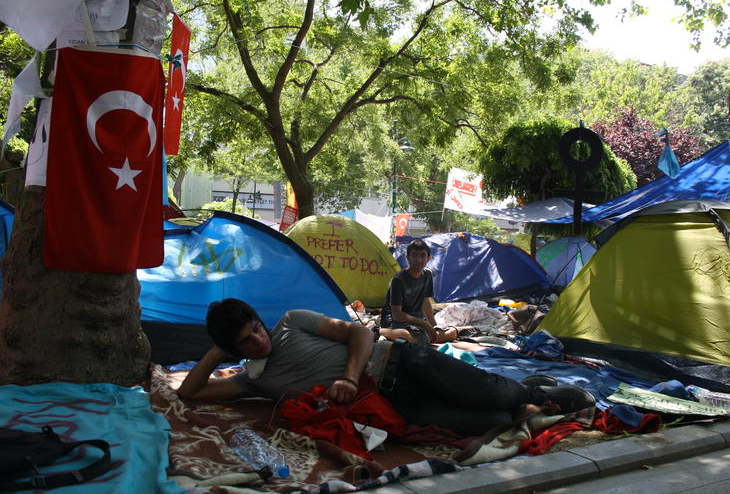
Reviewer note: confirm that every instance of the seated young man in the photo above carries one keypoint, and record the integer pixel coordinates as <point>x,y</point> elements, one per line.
<point>305,349</point>
<point>408,313</point>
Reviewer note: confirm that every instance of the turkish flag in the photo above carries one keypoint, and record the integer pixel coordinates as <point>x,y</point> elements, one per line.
<point>401,224</point>
<point>179,47</point>
<point>103,208</point>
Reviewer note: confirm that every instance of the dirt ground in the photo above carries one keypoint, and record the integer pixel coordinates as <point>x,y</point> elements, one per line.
<point>581,438</point>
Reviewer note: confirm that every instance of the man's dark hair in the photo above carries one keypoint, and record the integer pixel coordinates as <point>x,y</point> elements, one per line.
<point>225,320</point>
<point>418,244</point>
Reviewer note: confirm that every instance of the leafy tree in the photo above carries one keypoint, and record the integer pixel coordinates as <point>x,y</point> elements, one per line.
<point>310,69</point>
<point>14,55</point>
<point>479,226</point>
<point>634,139</point>
<point>524,163</point>
<point>605,84</point>
<point>226,204</point>
<point>703,102</point>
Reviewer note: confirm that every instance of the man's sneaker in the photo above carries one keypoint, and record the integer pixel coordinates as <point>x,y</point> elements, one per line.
<point>539,380</point>
<point>568,398</point>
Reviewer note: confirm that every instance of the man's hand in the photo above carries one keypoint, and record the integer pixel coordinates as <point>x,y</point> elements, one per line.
<point>430,329</point>
<point>343,391</point>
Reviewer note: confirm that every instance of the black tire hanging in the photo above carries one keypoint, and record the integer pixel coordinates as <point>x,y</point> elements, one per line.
<point>589,137</point>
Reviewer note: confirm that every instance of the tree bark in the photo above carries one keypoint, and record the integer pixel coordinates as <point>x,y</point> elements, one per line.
<point>58,325</point>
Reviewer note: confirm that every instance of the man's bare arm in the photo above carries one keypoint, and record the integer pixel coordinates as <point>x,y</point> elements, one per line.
<point>198,385</point>
<point>359,341</point>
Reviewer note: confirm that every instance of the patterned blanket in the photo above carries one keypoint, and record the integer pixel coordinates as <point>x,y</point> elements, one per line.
<point>200,455</point>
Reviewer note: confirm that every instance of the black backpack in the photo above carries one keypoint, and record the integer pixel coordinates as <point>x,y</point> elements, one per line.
<point>22,453</point>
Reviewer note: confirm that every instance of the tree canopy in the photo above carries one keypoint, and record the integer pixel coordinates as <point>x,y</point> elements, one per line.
<point>315,81</point>
<point>524,163</point>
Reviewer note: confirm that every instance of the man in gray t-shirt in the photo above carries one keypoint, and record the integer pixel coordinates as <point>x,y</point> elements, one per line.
<point>299,359</point>
<point>306,349</point>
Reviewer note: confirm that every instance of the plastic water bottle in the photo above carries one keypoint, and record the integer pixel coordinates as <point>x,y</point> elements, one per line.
<point>708,397</point>
<point>258,453</point>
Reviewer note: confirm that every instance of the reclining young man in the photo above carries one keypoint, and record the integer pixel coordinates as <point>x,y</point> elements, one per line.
<point>408,313</point>
<point>306,349</point>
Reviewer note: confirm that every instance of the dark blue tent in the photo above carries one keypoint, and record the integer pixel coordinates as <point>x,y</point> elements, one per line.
<point>707,177</point>
<point>466,266</point>
<point>227,256</point>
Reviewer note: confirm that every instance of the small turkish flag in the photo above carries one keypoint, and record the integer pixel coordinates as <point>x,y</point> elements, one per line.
<point>103,207</point>
<point>179,47</point>
<point>401,224</point>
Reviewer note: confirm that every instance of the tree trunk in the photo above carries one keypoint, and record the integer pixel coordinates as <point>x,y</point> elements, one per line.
<point>304,193</point>
<point>58,325</point>
<point>177,188</point>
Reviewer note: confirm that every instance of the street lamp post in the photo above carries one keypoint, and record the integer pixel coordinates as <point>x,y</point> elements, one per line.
<point>405,146</point>
<point>395,187</point>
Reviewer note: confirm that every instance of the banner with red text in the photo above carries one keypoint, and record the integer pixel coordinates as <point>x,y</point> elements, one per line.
<point>288,217</point>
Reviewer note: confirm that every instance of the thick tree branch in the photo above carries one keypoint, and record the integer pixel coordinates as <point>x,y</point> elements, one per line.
<point>215,43</point>
<point>284,26</point>
<point>465,124</point>
<point>232,98</point>
<point>373,101</point>
<point>196,7</point>
<point>285,68</point>
<point>234,21</point>
<point>351,102</point>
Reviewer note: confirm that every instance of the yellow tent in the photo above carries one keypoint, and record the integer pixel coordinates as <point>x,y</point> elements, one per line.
<point>660,283</point>
<point>353,256</point>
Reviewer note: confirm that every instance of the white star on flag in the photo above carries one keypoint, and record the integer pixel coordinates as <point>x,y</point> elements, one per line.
<point>175,102</point>
<point>126,175</point>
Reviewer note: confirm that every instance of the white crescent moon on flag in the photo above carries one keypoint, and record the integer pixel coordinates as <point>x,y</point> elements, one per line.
<point>183,70</point>
<point>120,100</point>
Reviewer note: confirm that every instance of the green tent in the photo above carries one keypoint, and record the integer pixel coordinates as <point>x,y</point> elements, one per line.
<point>352,255</point>
<point>659,282</point>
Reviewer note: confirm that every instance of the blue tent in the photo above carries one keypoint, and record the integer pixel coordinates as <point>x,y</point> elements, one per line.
<point>466,266</point>
<point>227,256</point>
<point>707,177</point>
<point>234,256</point>
<point>563,258</point>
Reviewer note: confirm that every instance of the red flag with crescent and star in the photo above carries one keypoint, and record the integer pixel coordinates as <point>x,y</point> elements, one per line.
<point>401,224</point>
<point>103,205</point>
<point>179,47</point>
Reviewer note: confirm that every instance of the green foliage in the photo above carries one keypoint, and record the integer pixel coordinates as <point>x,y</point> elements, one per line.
<point>702,100</point>
<point>322,103</point>
<point>524,163</point>
<point>14,55</point>
<point>224,205</point>
<point>484,227</point>
<point>521,240</point>
<point>607,85</point>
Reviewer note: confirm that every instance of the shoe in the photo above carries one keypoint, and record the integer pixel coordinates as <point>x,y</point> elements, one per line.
<point>568,398</point>
<point>539,380</point>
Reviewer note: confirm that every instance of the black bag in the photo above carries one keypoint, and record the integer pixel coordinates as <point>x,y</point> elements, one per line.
<point>22,453</point>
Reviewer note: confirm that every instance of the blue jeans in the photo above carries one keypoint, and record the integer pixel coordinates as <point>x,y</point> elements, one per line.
<point>434,388</point>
